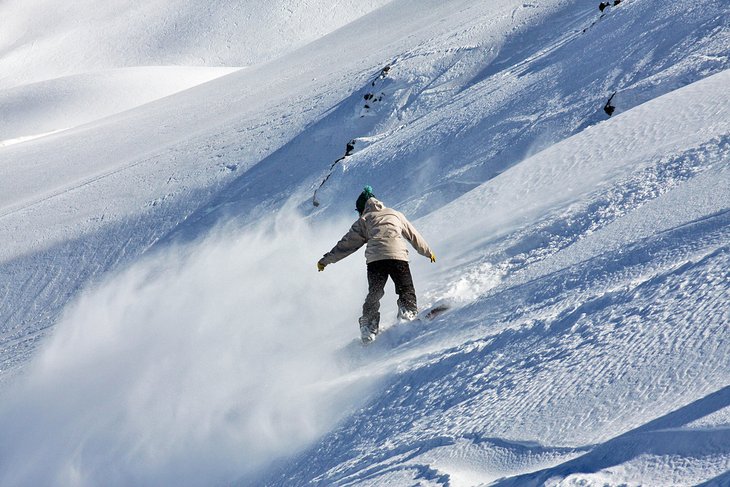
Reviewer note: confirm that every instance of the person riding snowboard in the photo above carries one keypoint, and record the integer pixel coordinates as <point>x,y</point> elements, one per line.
<point>383,230</point>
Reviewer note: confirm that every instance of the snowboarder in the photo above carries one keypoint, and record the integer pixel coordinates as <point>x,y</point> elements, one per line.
<point>383,230</point>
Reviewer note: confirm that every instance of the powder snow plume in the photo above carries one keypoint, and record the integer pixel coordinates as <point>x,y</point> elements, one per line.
<point>197,366</point>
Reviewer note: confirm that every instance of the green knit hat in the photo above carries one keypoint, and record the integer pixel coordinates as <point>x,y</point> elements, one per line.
<point>366,194</point>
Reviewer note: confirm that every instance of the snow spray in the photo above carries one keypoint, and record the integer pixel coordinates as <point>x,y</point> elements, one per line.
<point>197,366</point>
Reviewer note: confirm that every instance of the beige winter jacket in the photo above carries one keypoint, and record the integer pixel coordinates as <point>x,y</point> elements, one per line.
<point>384,230</point>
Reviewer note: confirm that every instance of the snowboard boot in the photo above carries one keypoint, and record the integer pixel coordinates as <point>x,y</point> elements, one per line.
<point>406,314</point>
<point>368,329</point>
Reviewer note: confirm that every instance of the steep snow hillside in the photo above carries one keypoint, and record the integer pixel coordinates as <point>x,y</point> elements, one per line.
<point>39,109</point>
<point>162,321</point>
<point>66,64</point>
<point>50,38</point>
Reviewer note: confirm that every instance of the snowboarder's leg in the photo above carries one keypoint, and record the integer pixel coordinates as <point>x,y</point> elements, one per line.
<point>377,277</point>
<point>407,303</point>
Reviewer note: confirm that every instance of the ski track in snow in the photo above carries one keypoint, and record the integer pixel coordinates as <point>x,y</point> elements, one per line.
<point>585,258</point>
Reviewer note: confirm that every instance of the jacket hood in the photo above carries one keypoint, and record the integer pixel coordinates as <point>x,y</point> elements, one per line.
<point>373,204</point>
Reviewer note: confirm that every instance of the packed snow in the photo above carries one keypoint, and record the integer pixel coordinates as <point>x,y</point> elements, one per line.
<point>162,321</point>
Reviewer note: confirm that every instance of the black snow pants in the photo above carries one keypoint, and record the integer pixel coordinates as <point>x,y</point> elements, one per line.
<point>378,273</point>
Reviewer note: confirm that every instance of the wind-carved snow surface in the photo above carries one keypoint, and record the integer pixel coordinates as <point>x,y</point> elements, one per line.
<point>197,365</point>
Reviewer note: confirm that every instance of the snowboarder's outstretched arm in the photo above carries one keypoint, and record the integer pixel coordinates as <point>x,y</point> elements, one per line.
<point>353,240</point>
<point>419,243</point>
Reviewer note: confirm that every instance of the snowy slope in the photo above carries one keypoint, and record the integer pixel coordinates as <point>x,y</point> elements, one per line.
<point>133,177</point>
<point>37,109</point>
<point>593,336</point>
<point>50,39</point>
<point>160,255</point>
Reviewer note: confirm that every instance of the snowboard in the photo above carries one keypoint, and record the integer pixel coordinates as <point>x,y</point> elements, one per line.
<point>356,353</point>
<point>429,314</point>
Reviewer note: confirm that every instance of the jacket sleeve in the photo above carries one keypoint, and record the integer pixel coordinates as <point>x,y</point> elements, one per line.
<point>411,234</point>
<point>353,240</point>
